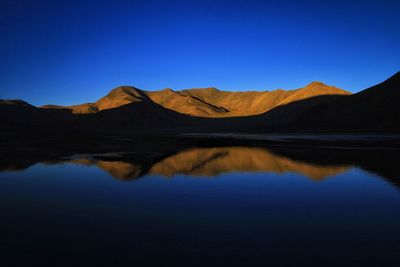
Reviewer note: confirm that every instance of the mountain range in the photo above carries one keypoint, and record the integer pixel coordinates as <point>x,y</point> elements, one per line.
<point>316,107</point>
<point>204,102</point>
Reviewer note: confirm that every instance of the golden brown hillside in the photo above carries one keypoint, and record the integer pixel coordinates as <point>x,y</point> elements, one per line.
<point>205,102</point>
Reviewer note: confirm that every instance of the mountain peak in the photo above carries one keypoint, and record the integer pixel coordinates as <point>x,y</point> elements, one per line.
<point>167,90</point>
<point>315,84</point>
<point>119,96</point>
<point>124,90</point>
<point>207,89</point>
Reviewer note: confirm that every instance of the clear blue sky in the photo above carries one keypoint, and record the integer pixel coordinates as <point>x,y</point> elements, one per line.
<point>68,52</point>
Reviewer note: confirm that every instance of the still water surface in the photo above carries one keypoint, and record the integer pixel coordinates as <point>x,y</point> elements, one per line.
<point>241,206</point>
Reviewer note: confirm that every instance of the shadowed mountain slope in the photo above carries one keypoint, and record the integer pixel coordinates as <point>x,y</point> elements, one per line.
<point>18,115</point>
<point>373,109</point>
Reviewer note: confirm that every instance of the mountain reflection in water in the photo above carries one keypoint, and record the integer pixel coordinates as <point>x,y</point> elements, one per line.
<point>212,162</point>
<point>342,204</point>
<point>313,163</point>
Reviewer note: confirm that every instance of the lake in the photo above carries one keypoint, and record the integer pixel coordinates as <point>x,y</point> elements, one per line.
<point>202,206</point>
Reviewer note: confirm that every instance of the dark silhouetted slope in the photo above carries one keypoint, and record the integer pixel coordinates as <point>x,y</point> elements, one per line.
<point>373,109</point>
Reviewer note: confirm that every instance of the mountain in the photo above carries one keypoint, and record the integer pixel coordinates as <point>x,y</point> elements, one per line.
<point>117,97</point>
<point>15,104</point>
<point>205,102</point>
<point>314,108</point>
<point>373,109</point>
<point>18,115</point>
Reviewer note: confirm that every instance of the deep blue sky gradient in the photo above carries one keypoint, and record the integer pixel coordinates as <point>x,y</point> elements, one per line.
<point>68,52</point>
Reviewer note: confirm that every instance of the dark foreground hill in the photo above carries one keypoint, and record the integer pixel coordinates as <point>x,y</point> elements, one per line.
<point>126,110</point>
